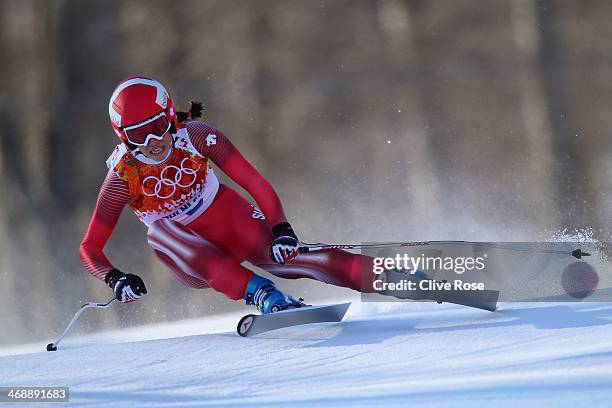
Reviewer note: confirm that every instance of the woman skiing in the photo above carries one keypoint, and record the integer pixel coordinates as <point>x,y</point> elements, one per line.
<point>200,229</point>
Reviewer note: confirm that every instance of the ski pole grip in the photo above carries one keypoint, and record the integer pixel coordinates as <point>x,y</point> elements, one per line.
<point>311,247</point>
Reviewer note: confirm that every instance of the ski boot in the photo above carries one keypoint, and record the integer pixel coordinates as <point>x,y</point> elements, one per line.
<point>262,293</point>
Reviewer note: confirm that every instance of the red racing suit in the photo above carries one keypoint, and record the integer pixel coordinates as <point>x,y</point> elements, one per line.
<point>200,229</point>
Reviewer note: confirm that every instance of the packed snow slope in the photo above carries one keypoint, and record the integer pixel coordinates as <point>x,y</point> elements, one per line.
<point>383,354</point>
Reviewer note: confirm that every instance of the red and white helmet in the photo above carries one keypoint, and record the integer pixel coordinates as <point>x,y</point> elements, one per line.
<point>138,101</point>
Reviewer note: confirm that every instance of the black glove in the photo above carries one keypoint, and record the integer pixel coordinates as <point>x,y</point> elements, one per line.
<point>285,245</point>
<point>127,287</point>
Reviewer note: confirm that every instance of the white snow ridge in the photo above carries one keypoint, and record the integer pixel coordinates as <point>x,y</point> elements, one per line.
<point>382,355</point>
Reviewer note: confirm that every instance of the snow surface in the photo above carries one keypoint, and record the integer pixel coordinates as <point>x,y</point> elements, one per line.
<point>383,354</point>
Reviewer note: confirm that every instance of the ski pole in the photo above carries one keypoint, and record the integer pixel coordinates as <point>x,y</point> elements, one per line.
<point>97,305</point>
<point>576,253</point>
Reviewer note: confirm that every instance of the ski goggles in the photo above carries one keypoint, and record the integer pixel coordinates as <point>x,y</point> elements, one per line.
<point>153,128</point>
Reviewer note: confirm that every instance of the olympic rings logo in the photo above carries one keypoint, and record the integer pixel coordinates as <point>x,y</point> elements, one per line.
<point>177,180</point>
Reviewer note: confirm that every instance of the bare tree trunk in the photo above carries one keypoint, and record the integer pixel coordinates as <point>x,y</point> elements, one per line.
<point>409,151</point>
<point>574,194</point>
<point>26,169</point>
<point>534,108</point>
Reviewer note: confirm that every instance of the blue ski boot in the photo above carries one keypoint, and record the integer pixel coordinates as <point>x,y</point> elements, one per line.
<point>262,293</point>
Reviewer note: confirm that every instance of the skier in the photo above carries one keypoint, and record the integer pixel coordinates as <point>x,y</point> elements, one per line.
<point>200,230</point>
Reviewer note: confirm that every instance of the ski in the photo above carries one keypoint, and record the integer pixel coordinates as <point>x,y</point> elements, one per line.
<point>485,299</point>
<point>480,299</point>
<point>251,325</point>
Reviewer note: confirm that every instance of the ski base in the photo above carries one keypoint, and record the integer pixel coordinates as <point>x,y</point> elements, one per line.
<point>251,325</point>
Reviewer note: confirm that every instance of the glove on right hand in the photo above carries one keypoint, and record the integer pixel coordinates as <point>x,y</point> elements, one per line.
<point>127,287</point>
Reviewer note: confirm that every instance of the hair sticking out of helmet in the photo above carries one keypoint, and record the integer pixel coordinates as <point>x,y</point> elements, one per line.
<point>194,112</point>
<point>137,99</point>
